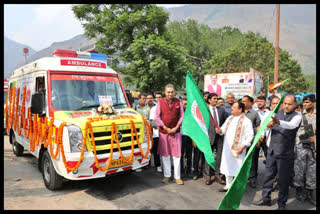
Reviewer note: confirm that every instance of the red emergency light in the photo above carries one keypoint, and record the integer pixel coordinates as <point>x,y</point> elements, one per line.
<point>65,53</point>
<point>79,54</point>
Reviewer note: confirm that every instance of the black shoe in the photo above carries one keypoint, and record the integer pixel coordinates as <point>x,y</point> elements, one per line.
<point>301,194</point>
<point>222,190</point>
<point>252,184</point>
<point>189,175</point>
<point>282,208</point>
<point>261,202</point>
<point>195,177</point>
<point>311,197</point>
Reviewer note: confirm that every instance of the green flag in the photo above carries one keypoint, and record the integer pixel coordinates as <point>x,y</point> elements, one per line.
<point>232,199</point>
<point>196,120</point>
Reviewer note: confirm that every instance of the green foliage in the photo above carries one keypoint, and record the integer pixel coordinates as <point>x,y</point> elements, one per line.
<point>137,33</point>
<point>311,79</point>
<point>116,26</point>
<point>202,43</point>
<point>155,54</point>
<point>156,62</point>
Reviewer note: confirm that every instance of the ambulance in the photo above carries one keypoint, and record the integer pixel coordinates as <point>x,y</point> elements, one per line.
<point>60,109</point>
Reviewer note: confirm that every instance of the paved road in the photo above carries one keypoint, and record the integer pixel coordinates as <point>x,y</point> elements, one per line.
<point>24,190</point>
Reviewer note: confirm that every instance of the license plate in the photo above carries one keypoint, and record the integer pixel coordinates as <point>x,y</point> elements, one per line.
<point>120,162</point>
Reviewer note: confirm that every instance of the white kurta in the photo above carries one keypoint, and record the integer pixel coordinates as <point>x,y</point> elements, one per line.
<point>229,164</point>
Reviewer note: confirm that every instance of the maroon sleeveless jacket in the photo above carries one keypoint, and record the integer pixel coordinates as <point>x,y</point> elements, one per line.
<point>169,115</point>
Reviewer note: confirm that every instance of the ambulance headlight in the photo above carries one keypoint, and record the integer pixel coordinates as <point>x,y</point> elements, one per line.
<point>75,138</point>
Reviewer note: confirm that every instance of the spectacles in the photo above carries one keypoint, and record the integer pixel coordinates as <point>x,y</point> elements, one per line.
<point>159,97</point>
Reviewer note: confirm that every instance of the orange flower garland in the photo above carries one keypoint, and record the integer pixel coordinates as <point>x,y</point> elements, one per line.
<point>27,133</point>
<point>16,121</point>
<point>84,140</point>
<point>12,104</point>
<point>124,159</point>
<point>148,149</point>
<point>40,131</point>
<point>22,115</point>
<point>6,110</point>
<point>95,152</point>
<point>48,139</point>
<point>9,111</point>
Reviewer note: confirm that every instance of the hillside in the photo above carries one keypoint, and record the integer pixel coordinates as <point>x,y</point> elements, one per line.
<point>297,30</point>
<point>297,25</point>
<point>13,55</point>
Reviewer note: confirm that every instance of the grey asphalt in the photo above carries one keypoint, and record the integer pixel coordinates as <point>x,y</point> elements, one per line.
<point>24,189</point>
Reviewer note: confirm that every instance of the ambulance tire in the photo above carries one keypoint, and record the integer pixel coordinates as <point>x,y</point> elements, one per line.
<point>16,147</point>
<point>52,180</point>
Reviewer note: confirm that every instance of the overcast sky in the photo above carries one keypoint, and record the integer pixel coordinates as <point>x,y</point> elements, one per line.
<point>39,25</point>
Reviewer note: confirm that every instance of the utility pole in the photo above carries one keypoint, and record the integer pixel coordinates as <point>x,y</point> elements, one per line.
<point>276,57</point>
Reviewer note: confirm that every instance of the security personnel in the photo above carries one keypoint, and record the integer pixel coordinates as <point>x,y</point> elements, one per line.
<point>305,163</point>
<point>280,152</point>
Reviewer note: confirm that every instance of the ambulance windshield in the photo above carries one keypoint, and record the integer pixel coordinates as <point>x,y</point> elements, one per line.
<point>77,92</point>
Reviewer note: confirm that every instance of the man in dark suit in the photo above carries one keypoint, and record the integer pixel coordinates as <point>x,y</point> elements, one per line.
<point>216,140</point>
<point>284,128</point>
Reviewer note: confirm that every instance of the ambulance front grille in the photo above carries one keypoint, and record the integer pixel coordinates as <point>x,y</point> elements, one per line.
<point>103,139</point>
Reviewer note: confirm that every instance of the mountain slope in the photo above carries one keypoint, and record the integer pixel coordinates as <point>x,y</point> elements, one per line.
<point>297,25</point>
<point>13,55</point>
<point>12,49</point>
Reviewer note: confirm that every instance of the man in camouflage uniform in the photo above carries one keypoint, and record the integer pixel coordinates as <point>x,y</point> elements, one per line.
<point>305,163</point>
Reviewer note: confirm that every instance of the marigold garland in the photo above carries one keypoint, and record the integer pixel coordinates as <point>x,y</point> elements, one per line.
<point>9,111</point>
<point>6,110</point>
<point>16,121</point>
<point>124,159</point>
<point>95,152</point>
<point>148,148</point>
<point>40,131</point>
<point>12,104</point>
<point>84,140</point>
<point>22,116</point>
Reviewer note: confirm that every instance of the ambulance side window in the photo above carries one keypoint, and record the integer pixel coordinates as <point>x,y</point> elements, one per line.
<point>40,86</point>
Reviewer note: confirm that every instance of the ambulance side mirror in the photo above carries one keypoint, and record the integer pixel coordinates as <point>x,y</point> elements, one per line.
<point>37,104</point>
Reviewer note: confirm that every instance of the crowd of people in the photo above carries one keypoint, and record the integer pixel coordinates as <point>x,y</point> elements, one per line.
<point>288,143</point>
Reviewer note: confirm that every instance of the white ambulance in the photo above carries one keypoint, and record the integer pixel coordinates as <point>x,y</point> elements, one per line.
<point>52,112</point>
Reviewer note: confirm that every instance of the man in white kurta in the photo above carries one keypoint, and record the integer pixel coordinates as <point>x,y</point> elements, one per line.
<point>230,164</point>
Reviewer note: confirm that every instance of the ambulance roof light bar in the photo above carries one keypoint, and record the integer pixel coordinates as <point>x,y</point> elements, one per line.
<point>79,54</point>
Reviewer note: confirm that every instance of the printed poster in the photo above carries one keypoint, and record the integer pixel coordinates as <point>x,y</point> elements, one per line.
<point>240,84</point>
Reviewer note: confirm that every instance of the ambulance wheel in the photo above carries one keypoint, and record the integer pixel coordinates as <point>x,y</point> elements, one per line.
<point>16,147</point>
<point>51,178</point>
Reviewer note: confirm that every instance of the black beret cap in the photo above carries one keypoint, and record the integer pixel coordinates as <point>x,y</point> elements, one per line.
<point>310,97</point>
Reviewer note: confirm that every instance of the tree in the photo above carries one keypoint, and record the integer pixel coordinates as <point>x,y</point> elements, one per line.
<point>133,31</point>
<point>202,42</point>
<point>157,62</point>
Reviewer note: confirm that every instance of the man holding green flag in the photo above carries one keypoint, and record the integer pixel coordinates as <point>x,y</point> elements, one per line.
<point>233,197</point>
<point>284,127</point>
<point>238,135</point>
<point>197,122</point>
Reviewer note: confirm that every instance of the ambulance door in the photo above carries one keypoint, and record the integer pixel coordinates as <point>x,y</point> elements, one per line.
<point>40,87</point>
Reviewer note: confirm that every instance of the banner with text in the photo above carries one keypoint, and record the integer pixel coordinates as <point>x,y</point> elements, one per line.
<point>240,84</point>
